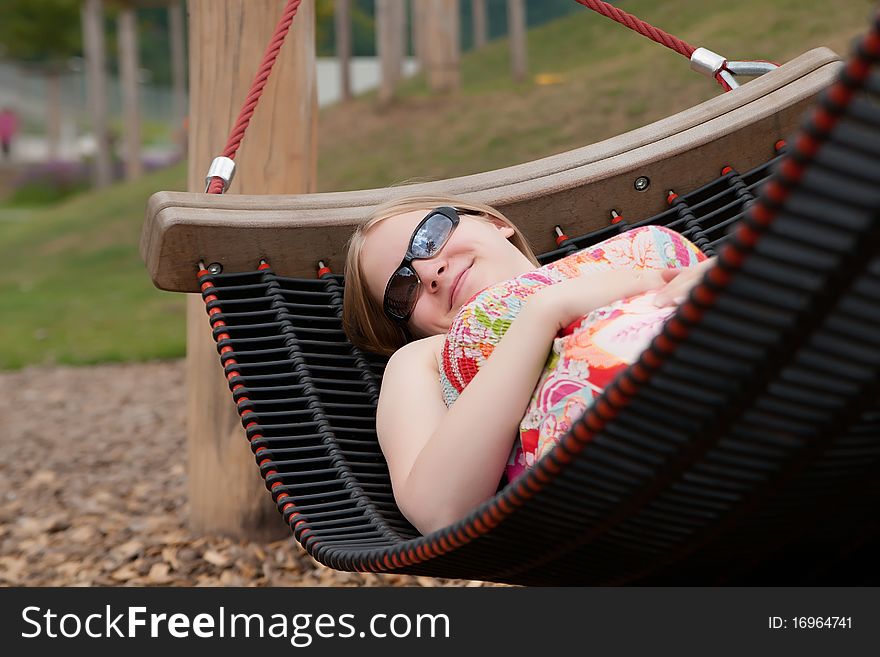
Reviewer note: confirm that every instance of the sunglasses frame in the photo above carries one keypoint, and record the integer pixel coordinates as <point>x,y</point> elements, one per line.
<point>454,216</point>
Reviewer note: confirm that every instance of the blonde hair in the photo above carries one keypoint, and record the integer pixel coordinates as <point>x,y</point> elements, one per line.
<point>363,319</point>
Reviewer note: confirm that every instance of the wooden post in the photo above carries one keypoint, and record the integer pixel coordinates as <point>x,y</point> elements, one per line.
<point>128,74</point>
<point>178,69</point>
<point>440,34</point>
<point>278,155</point>
<point>342,18</point>
<point>93,45</point>
<point>481,31</point>
<point>390,21</point>
<point>516,32</point>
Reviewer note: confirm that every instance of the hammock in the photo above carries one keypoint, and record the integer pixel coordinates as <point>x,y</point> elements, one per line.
<point>742,448</point>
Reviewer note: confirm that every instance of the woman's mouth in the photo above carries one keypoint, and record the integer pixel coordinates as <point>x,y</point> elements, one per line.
<point>457,285</point>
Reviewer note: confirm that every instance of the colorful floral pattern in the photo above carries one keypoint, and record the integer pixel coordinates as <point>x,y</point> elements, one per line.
<point>587,355</point>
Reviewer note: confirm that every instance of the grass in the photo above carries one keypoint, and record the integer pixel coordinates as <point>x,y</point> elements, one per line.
<point>73,288</point>
<point>614,81</point>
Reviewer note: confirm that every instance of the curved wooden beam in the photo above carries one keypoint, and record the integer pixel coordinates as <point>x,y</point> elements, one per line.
<point>576,189</point>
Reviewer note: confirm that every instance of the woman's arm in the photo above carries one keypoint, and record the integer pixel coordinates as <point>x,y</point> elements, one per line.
<point>444,462</point>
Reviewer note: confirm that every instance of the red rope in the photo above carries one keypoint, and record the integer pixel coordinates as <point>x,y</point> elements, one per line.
<point>250,103</point>
<point>283,27</point>
<point>640,26</point>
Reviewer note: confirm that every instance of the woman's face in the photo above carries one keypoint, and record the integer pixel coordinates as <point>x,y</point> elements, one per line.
<point>476,255</point>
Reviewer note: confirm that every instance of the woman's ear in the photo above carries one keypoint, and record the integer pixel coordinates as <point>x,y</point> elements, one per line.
<point>501,225</point>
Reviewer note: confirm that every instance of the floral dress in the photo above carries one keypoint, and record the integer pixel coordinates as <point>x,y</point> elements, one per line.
<point>587,355</point>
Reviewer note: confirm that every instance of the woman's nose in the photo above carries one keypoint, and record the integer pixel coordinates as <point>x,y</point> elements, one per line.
<point>430,272</point>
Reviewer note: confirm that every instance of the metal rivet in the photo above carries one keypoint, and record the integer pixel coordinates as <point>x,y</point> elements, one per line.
<point>215,268</point>
<point>642,183</point>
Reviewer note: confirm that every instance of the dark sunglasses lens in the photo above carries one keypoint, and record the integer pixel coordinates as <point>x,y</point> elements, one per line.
<point>431,237</point>
<point>400,294</point>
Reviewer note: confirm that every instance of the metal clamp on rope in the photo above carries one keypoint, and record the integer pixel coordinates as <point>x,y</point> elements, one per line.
<point>714,66</point>
<point>223,168</point>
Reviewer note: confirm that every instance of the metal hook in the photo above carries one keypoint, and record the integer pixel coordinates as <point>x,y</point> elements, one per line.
<point>713,65</point>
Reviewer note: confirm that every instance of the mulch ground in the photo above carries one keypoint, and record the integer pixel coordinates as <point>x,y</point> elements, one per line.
<point>93,490</point>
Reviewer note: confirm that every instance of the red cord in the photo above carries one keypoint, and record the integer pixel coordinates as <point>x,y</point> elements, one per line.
<point>247,111</point>
<point>640,26</point>
<point>250,103</point>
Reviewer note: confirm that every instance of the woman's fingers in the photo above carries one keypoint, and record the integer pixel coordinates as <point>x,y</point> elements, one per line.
<point>674,292</point>
<point>679,283</point>
<point>662,297</point>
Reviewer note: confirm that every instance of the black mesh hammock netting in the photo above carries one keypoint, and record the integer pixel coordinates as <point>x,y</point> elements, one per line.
<point>742,448</point>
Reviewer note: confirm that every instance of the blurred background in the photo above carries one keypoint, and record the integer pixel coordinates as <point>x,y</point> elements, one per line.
<point>94,119</point>
<point>68,223</point>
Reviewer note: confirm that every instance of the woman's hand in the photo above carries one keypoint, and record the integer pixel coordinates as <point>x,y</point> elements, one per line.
<point>569,300</point>
<point>678,282</point>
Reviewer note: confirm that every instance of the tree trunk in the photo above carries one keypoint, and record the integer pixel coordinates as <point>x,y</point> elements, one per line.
<point>53,115</point>
<point>128,73</point>
<point>440,33</point>
<point>481,30</point>
<point>390,22</point>
<point>178,71</point>
<point>93,45</point>
<point>342,19</point>
<point>516,31</point>
<point>417,27</point>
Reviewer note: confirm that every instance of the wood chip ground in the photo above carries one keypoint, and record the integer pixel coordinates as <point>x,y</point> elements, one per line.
<point>93,490</point>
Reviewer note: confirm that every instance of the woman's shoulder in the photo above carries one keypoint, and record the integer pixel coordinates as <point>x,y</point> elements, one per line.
<point>419,352</point>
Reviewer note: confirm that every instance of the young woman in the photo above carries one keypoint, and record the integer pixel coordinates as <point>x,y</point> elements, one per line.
<point>409,270</point>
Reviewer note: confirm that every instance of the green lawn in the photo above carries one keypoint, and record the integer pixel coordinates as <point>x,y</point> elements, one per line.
<point>73,288</point>
<point>614,80</point>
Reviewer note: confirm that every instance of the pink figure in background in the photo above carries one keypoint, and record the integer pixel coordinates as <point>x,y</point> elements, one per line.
<point>8,129</point>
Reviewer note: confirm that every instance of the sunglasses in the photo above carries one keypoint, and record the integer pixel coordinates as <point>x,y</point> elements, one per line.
<point>427,239</point>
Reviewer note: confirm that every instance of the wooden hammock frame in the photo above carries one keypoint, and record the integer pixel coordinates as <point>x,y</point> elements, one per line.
<point>576,189</point>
